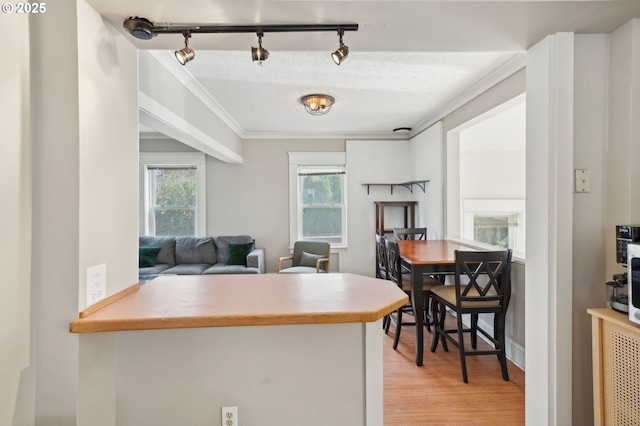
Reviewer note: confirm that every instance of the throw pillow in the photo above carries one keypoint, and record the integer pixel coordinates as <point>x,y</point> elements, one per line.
<point>309,259</point>
<point>147,256</point>
<point>238,253</point>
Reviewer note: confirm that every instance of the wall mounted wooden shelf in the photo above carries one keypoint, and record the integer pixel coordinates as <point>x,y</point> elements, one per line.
<point>409,185</point>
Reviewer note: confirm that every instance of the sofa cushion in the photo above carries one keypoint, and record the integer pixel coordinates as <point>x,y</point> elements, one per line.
<point>309,259</point>
<point>191,250</point>
<point>299,270</point>
<point>238,253</point>
<point>147,256</point>
<point>167,248</point>
<point>154,270</point>
<point>222,245</point>
<point>222,268</point>
<point>186,269</point>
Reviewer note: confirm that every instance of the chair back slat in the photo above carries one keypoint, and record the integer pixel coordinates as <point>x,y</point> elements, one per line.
<point>410,233</point>
<point>394,264</point>
<point>482,279</point>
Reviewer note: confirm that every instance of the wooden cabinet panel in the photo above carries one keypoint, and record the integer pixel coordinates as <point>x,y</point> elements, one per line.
<point>616,368</point>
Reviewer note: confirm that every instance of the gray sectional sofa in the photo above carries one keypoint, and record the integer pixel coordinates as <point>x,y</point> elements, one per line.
<point>199,255</point>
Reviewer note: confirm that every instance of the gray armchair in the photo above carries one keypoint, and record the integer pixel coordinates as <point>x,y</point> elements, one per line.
<point>309,257</point>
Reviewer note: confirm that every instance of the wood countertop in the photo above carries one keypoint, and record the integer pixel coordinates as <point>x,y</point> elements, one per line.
<point>188,301</point>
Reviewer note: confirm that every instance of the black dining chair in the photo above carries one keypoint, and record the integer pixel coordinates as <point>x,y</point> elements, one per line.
<point>382,268</point>
<point>410,233</point>
<point>416,234</point>
<point>482,286</point>
<point>399,275</point>
<point>381,258</point>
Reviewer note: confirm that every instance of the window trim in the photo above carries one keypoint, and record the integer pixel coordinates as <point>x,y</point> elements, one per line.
<point>313,159</point>
<point>173,159</point>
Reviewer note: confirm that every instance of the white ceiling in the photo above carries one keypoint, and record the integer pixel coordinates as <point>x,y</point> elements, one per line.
<point>409,60</point>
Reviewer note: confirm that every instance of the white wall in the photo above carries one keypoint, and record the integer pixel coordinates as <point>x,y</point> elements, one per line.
<point>485,172</point>
<point>371,161</point>
<point>549,227</point>
<point>589,210</point>
<point>426,152</point>
<point>15,224</point>
<point>623,133</point>
<point>252,198</point>
<point>108,152</point>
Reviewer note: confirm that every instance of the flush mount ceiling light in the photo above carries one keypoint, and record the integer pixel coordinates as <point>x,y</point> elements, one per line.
<point>185,55</point>
<point>317,104</point>
<point>343,51</point>
<point>259,53</point>
<point>144,29</point>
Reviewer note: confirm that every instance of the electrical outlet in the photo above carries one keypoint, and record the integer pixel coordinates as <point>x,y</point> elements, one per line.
<point>230,416</point>
<point>96,283</point>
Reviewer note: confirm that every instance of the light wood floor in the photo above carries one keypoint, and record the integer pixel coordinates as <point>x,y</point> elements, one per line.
<point>435,394</point>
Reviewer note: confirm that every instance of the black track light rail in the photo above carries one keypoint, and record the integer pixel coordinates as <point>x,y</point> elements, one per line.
<point>144,29</point>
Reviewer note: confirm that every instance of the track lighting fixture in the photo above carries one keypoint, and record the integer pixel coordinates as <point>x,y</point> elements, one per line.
<point>343,51</point>
<point>144,29</point>
<point>185,55</point>
<point>317,104</point>
<point>258,53</point>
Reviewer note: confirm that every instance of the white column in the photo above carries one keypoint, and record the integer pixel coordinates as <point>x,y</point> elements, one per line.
<point>548,275</point>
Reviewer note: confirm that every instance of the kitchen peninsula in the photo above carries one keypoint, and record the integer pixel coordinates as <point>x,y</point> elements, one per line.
<point>285,349</point>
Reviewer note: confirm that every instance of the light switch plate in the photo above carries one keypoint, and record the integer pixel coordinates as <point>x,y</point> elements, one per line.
<point>96,283</point>
<point>582,180</point>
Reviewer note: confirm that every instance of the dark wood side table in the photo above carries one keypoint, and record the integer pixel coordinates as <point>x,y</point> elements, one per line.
<point>409,214</point>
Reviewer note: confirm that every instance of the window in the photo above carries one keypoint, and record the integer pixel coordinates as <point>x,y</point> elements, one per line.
<point>317,197</point>
<point>172,196</point>
<point>172,200</point>
<point>493,229</point>
<point>495,222</point>
<point>486,161</point>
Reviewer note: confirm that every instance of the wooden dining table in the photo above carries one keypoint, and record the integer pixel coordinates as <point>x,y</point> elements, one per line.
<point>432,257</point>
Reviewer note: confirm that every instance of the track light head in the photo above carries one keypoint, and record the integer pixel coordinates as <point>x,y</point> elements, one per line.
<point>140,28</point>
<point>340,55</point>
<point>259,53</point>
<point>185,55</point>
<point>343,51</point>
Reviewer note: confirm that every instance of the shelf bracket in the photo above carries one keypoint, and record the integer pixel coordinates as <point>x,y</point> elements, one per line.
<point>409,186</point>
<point>422,184</point>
